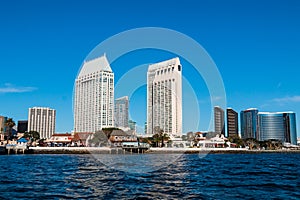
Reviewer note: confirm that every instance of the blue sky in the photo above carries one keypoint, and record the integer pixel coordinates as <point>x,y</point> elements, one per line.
<point>255,45</point>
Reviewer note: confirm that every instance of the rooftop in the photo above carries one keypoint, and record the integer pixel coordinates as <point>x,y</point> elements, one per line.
<point>95,65</point>
<point>165,63</point>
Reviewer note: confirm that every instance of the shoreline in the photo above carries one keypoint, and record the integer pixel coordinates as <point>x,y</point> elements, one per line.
<point>108,150</point>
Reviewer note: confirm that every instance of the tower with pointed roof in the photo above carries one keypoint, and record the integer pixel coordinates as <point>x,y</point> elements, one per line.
<point>94,96</point>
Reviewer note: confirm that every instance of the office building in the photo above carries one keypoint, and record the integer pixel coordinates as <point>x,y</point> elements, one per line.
<point>22,126</point>
<point>249,123</point>
<point>232,123</point>
<point>132,125</point>
<point>121,112</point>
<point>219,120</point>
<point>42,120</point>
<point>2,127</point>
<point>164,97</point>
<point>277,126</point>
<point>94,96</point>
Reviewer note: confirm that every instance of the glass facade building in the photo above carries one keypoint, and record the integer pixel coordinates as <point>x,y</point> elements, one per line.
<point>249,123</point>
<point>277,126</point>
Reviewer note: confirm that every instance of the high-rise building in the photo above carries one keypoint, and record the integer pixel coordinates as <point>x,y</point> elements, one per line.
<point>164,97</point>
<point>22,126</point>
<point>132,125</point>
<point>42,120</point>
<point>278,126</point>
<point>121,112</point>
<point>94,96</point>
<point>219,120</point>
<point>232,123</point>
<point>2,127</point>
<point>249,123</point>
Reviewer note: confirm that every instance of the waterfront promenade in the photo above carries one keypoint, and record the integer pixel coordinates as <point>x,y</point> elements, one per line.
<point>108,150</point>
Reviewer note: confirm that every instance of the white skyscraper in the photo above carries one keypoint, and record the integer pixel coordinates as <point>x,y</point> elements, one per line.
<point>42,120</point>
<point>121,112</point>
<point>94,96</point>
<point>164,97</point>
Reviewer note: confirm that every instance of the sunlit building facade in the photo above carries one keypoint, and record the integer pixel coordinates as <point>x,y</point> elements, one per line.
<point>94,96</point>
<point>164,97</point>
<point>42,120</point>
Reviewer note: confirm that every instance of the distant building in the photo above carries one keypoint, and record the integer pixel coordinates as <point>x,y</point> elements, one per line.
<point>249,123</point>
<point>132,125</point>
<point>278,126</point>
<point>42,120</point>
<point>22,126</point>
<point>219,120</point>
<point>2,124</point>
<point>94,96</point>
<point>164,97</point>
<point>232,123</point>
<point>2,127</point>
<point>121,112</point>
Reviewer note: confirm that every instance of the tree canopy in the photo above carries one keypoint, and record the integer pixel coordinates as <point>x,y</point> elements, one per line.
<point>34,135</point>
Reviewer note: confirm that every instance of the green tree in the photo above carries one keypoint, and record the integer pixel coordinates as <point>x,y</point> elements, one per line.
<point>9,124</point>
<point>251,143</point>
<point>32,135</point>
<point>160,136</point>
<point>236,140</point>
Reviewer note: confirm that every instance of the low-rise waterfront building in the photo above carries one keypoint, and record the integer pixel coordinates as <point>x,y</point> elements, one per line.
<point>63,139</point>
<point>117,137</point>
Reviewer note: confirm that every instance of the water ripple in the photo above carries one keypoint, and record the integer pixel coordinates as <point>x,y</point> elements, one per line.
<point>260,176</point>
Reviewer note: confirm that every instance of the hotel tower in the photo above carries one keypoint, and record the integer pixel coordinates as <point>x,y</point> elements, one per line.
<point>42,120</point>
<point>94,96</point>
<point>164,97</point>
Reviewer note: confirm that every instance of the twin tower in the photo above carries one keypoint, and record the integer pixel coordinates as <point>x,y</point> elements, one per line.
<point>94,97</point>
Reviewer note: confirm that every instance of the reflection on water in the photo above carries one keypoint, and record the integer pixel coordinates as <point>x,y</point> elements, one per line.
<point>211,177</point>
<point>137,163</point>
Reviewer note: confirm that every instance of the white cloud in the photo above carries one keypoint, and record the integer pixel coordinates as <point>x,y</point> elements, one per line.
<point>9,88</point>
<point>289,99</point>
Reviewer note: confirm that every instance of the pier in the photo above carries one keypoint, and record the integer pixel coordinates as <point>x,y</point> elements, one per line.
<point>16,148</point>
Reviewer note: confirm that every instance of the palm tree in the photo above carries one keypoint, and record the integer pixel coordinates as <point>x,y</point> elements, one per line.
<point>160,136</point>
<point>9,124</point>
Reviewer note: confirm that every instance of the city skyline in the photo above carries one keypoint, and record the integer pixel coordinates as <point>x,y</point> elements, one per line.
<point>255,53</point>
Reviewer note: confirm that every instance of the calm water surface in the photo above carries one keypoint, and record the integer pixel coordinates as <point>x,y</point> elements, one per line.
<point>219,176</point>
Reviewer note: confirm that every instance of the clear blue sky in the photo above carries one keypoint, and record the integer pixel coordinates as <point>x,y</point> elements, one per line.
<point>255,45</point>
